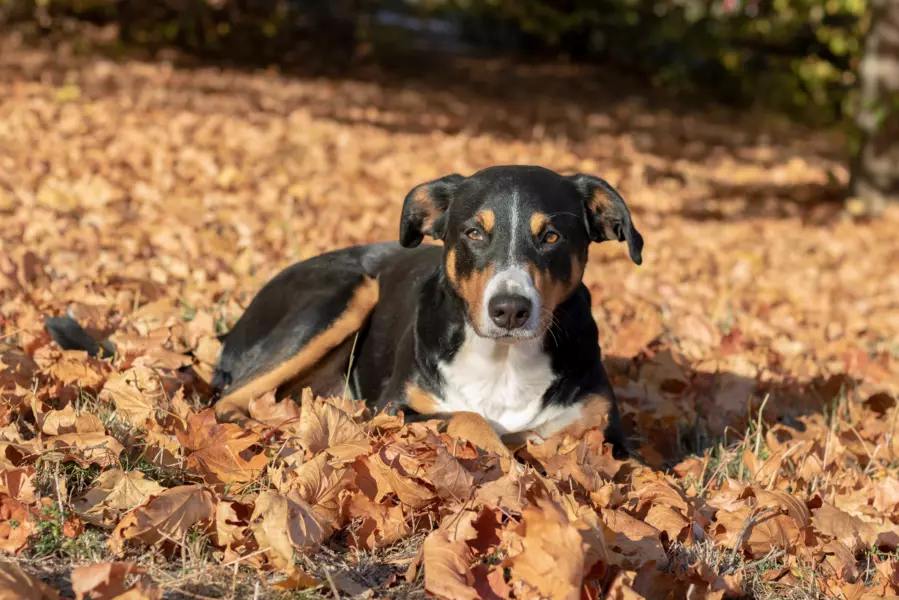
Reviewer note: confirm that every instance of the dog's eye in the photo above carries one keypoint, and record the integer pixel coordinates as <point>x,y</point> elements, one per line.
<point>549,238</point>
<point>475,234</point>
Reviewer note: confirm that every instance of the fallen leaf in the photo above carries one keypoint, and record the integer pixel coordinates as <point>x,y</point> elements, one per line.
<point>102,581</point>
<point>166,517</point>
<point>221,453</point>
<point>286,524</point>
<point>447,568</point>
<point>15,584</point>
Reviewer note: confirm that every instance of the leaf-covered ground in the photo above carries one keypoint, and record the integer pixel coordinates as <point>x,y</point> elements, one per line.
<point>754,353</point>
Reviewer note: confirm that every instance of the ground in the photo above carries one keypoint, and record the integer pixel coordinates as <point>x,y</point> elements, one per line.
<point>754,352</point>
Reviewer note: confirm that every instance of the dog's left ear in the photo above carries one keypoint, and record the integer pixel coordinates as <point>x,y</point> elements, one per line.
<point>606,214</point>
<point>424,209</point>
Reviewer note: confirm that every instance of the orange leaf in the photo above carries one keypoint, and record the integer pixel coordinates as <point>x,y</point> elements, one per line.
<point>447,571</point>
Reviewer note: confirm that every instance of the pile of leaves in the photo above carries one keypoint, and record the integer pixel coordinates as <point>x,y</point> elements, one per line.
<point>753,354</point>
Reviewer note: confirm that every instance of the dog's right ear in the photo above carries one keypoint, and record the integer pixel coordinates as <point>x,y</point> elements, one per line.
<point>424,209</point>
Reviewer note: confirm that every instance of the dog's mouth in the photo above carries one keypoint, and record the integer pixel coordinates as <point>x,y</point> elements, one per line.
<point>511,337</point>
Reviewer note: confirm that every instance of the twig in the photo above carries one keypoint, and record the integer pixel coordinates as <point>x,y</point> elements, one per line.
<point>332,584</point>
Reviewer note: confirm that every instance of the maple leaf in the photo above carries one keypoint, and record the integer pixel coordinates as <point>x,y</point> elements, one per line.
<point>447,568</point>
<point>168,516</point>
<point>16,525</point>
<point>552,562</point>
<point>58,422</point>
<point>450,479</point>
<point>18,483</point>
<point>851,531</point>
<point>116,491</point>
<point>219,452</point>
<point>387,470</point>
<point>267,409</point>
<point>15,584</point>
<point>886,495</point>
<point>231,522</point>
<point>323,426</point>
<point>88,448</point>
<point>286,524</point>
<point>102,581</point>
<point>634,543</point>
<point>319,483</point>
<point>136,393</point>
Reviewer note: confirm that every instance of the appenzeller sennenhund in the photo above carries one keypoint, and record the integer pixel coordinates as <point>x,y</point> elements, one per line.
<point>493,327</point>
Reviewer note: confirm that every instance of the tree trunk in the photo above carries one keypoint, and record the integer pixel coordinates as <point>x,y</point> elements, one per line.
<point>874,182</point>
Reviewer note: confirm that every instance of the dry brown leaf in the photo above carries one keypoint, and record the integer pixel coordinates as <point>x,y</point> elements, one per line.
<point>87,448</point>
<point>58,422</point>
<point>451,480</point>
<point>286,524</point>
<point>221,452</point>
<point>850,531</point>
<point>632,543</point>
<point>136,393</point>
<point>16,525</point>
<point>102,581</point>
<point>116,491</point>
<point>447,568</point>
<point>15,584</point>
<point>166,517</point>
<point>551,564</point>
<point>323,426</point>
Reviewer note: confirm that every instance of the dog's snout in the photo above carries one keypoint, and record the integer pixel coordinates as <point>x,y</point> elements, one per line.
<point>509,311</point>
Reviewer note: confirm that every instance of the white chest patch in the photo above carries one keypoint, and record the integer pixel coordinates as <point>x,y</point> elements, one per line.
<point>504,383</point>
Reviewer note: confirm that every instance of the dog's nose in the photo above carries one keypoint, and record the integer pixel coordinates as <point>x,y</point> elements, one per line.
<point>509,311</point>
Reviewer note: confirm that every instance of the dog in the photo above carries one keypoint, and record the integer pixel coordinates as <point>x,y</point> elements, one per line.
<point>491,330</point>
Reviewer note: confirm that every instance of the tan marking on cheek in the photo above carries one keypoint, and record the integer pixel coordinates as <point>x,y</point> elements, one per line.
<point>472,291</point>
<point>552,291</point>
<point>451,265</point>
<point>487,219</point>
<point>419,400</point>
<point>539,220</point>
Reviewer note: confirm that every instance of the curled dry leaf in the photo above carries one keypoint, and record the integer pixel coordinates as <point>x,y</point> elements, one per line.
<point>221,453</point>
<point>285,524</point>
<point>450,479</point>
<point>58,422</point>
<point>447,568</point>
<point>18,483</point>
<point>15,584</point>
<point>379,524</point>
<point>16,525</point>
<point>103,581</point>
<point>136,393</point>
<point>87,448</point>
<point>634,543</point>
<point>851,531</point>
<point>552,561</point>
<point>323,426</point>
<point>116,491</point>
<point>166,517</point>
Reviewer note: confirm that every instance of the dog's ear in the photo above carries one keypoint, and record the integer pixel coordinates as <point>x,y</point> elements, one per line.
<point>424,209</point>
<point>606,214</point>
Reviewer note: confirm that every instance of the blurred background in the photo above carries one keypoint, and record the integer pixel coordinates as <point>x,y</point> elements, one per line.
<point>163,159</point>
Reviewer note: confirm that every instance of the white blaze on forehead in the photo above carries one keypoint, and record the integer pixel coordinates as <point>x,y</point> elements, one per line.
<point>513,229</point>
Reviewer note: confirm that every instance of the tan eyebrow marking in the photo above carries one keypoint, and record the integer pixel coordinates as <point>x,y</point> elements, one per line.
<point>539,220</point>
<point>487,219</point>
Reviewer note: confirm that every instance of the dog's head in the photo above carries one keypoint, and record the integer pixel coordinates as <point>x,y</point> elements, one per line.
<point>516,240</point>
